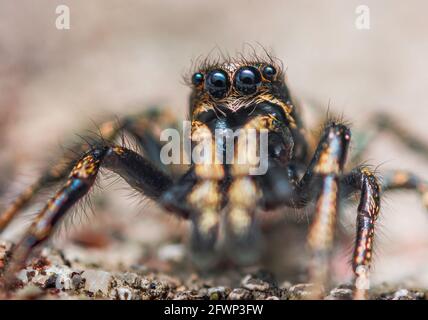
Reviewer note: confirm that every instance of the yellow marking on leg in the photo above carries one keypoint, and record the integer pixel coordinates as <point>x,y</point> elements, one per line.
<point>322,229</point>
<point>206,198</point>
<point>208,166</point>
<point>400,178</point>
<point>246,151</point>
<point>20,202</point>
<point>327,163</point>
<point>201,108</point>
<point>287,108</point>
<point>108,130</point>
<point>85,168</point>
<point>119,150</point>
<point>243,197</point>
<point>208,220</point>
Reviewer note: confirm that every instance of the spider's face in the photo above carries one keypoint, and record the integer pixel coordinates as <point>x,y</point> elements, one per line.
<point>244,94</point>
<point>231,86</point>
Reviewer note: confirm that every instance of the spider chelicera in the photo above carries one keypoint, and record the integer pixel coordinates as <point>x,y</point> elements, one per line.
<point>235,93</point>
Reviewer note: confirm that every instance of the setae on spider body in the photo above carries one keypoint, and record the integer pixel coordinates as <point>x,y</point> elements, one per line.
<point>249,94</point>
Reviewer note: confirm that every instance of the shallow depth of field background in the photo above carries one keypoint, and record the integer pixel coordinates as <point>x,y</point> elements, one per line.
<point>121,56</point>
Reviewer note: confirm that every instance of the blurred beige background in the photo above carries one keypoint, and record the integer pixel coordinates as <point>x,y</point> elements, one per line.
<point>120,56</point>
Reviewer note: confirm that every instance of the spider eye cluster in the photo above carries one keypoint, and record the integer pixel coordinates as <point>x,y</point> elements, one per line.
<point>246,80</point>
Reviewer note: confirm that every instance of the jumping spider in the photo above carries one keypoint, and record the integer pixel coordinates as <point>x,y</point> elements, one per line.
<point>235,93</point>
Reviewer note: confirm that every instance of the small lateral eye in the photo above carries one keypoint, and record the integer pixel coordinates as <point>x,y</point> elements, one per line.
<point>269,72</point>
<point>197,79</point>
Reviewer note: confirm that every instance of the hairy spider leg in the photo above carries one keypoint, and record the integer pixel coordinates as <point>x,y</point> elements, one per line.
<point>246,191</point>
<point>133,168</point>
<point>365,181</point>
<point>52,176</point>
<point>144,127</point>
<point>325,170</point>
<point>396,179</point>
<point>402,180</point>
<point>205,197</point>
<point>383,122</point>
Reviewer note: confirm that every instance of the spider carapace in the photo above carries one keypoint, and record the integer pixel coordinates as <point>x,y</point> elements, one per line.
<point>232,94</point>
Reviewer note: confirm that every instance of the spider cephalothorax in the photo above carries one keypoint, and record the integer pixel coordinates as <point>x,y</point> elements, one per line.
<point>234,94</point>
<point>227,94</point>
<point>239,83</point>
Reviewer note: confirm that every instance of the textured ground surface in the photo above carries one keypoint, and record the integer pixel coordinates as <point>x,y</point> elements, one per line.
<point>53,276</point>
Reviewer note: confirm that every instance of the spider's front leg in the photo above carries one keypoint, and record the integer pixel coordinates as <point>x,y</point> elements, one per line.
<point>363,180</point>
<point>144,127</point>
<point>322,176</point>
<point>52,175</point>
<point>136,171</point>
<point>198,195</point>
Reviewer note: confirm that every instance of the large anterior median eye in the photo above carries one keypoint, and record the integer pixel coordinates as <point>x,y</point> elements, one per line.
<point>247,79</point>
<point>217,83</point>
